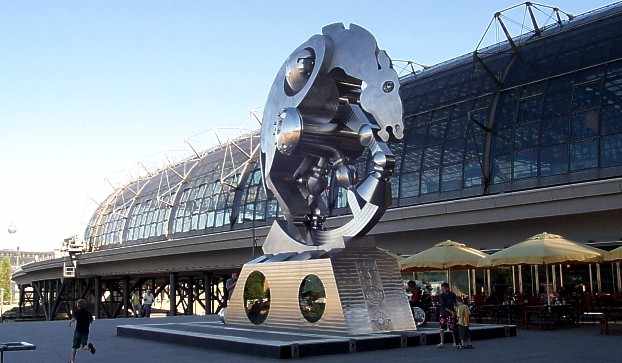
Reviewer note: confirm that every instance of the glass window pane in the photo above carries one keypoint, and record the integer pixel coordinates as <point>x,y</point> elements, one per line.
<point>611,153</point>
<point>472,173</point>
<point>456,128</point>
<point>431,156</point>
<point>220,218</point>
<point>395,186</point>
<point>612,92</point>
<point>584,155</point>
<point>452,177</point>
<point>342,197</point>
<point>202,220</point>
<point>409,185</point>
<point>210,219</point>
<point>454,151</point>
<point>416,136</point>
<point>412,160</point>
<point>526,135</point>
<point>503,140</point>
<point>272,208</point>
<point>260,210</point>
<point>611,119</point>
<point>530,109</point>
<point>502,166</point>
<point>586,95</point>
<point>525,164</point>
<point>554,160</point>
<point>429,181</point>
<point>555,131</point>
<point>585,124</point>
<point>436,134</point>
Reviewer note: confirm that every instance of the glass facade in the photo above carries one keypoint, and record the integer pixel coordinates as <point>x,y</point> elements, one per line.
<point>546,113</point>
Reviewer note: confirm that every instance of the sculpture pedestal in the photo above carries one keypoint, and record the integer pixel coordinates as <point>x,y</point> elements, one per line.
<point>362,288</point>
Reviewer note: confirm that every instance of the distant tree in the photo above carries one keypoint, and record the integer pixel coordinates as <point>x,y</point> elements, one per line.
<point>5,277</point>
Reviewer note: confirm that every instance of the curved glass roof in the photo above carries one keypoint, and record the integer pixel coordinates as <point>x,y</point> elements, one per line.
<point>546,113</point>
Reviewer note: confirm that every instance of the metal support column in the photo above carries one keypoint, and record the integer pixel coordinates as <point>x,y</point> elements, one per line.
<point>520,279</point>
<point>172,292</point>
<point>537,274</point>
<point>126,296</point>
<point>20,308</point>
<point>561,275</point>
<point>97,293</point>
<point>474,277</point>
<point>533,280</point>
<point>554,283</point>
<point>598,280</point>
<point>591,278</point>
<point>190,296</point>
<point>489,283</point>
<point>619,277</point>
<point>50,296</point>
<point>207,287</point>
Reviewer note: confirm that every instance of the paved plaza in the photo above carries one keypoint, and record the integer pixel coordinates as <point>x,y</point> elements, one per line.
<point>53,339</point>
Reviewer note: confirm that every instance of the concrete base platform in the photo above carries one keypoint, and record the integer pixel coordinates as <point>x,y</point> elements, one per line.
<point>293,344</point>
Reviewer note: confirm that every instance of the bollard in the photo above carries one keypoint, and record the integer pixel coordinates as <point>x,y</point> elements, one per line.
<point>352,346</point>
<point>295,350</point>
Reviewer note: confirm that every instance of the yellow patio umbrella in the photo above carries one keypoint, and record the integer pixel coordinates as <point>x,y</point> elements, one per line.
<point>614,255</point>
<point>445,255</point>
<point>544,249</point>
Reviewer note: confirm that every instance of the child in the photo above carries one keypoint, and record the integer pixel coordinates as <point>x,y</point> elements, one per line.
<point>83,319</point>
<point>462,316</point>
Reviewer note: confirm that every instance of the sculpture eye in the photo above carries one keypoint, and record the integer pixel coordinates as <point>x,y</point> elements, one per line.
<point>388,86</point>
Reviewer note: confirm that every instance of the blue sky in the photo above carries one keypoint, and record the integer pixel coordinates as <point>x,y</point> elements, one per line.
<point>87,89</point>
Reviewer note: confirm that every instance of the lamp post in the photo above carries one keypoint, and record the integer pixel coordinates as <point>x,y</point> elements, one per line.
<point>12,229</point>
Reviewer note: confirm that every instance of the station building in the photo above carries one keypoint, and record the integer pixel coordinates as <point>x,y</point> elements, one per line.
<point>518,138</point>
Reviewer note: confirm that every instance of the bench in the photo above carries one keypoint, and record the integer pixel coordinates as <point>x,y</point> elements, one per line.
<point>14,347</point>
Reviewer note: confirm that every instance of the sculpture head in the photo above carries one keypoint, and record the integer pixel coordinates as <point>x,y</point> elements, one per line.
<point>380,97</point>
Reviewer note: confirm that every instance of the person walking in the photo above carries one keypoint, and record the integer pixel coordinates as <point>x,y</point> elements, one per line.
<point>447,300</point>
<point>229,286</point>
<point>147,302</point>
<point>463,316</point>
<point>136,305</point>
<point>82,319</point>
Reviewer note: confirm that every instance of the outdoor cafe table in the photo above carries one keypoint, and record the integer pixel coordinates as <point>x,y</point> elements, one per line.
<point>549,315</point>
<point>506,313</point>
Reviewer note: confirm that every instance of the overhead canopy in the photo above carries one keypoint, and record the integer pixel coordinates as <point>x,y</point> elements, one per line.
<point>443,256</point>
<point>614,255</point>
<point>544,248</point>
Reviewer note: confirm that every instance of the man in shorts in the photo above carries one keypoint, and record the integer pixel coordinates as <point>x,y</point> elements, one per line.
<point>82,320</point>
<point>447,315</point>
<point>136,305</point>
<point>147,302</point>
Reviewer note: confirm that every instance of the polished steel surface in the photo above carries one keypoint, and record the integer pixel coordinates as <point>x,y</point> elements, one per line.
<point>336,97</point>
<point>284,279</point>
<point>363,288</point>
